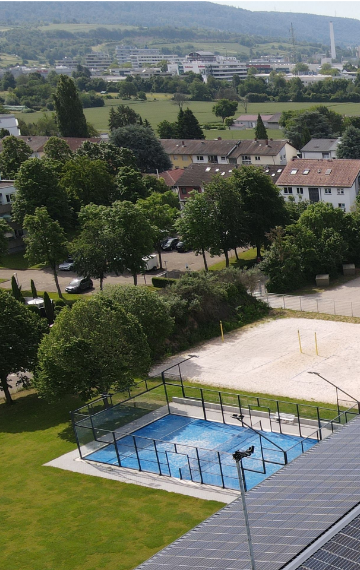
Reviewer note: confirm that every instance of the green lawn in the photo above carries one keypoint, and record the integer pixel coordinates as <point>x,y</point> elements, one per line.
<point>244,256</point>
<point>16,261</point>
<point>53,519</point>
<point>159,107</point>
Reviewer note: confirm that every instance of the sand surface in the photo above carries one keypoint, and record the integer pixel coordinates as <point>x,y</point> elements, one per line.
<point>266,358</point>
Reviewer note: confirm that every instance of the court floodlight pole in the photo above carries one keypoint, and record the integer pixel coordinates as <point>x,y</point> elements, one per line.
<point>238,456</point>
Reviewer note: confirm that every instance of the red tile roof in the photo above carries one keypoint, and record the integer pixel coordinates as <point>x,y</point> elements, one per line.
<point>320,173</point>
<point>171,176</point>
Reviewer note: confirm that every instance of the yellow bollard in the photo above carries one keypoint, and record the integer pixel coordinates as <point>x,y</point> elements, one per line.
<point>300,342</point>
<point>316,346</point>
<point>222,332</point>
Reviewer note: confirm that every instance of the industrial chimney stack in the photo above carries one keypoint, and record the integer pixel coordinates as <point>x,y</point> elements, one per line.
<point>332,41</point>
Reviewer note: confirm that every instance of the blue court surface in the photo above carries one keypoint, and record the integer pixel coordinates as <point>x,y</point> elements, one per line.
<point>201,451</point>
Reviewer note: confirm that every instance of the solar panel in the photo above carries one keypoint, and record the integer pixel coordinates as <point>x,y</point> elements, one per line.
<point>287,512</point>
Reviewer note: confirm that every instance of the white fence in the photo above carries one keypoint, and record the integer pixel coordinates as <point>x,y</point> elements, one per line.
<point>310,304</point>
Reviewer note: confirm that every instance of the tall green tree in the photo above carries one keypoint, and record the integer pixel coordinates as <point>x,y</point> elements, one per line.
<point>113,156</point>
<point>188,126</point>
<point>86,180</point>
<point>57,149</point>
<point>167,130</point>
<point>260,130</point>
<point>130,185</point>
<point>45,241</point>
<point>93,348</point>
<point>4,229</point>
<point>91,249</point>
<point>195,225</point>
<point>310,124</point>
<point>262,205</point>
<point>225,108</point>
<point>21,331</point>
<point>149,153</point>
<point>349,146</point>
<point>69,110</point>
<point>122,117</point>
<point>132,237</point>
<point>161,217</point>
<point>15,152</point>
<point>37,185</point>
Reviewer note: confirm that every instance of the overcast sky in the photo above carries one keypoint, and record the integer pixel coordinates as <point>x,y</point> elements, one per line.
<point>323,8</point>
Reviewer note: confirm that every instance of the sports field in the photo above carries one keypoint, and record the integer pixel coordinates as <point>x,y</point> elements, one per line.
<point>266,358</point>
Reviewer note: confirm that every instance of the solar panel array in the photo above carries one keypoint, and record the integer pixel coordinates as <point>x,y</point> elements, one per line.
<point>287,512</point>
<point>342,552</point>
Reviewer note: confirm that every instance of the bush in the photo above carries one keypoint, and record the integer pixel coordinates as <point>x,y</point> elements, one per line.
<point>161,282</point>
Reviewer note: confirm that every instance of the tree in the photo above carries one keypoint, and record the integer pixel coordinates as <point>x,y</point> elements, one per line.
<point>188,126</point>
<point>49,308</point>
<point>132,237</point>
<point>69,110</point>
<point>261,203</point>
<point>8,81</point>
<point>161,217</point>
<point>130,185</point>
<point>4,229</point>
<point>148,308</point>
<point>37,185</point>
<point>196,224</point>
<point>349,146</point>
<point>86,181</point>
<point>148,151</point>
<point>225,108</point>
<point>16,290</point>
<point>127,90</point>
<point>310,124</point>
<point>179,99</point>
<point>21,331</point>
<point>4,133</point>
<point>167,130</point>
<point>113,156</point>
<point>93,348</point>
<point>45,241</point>
<point>91,249</point>
<point>33,289</point>
<point>15,152</point>
<point>123,116</point>
<point>260,131</point>
<point>301,68</point>
<point>57,149</point>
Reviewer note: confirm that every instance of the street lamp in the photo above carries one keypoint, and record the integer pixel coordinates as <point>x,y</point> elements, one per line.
<point>239,456</point>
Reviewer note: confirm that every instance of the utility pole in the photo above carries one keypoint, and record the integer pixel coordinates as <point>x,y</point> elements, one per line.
<point>238,456</point>
<point>292,34</point>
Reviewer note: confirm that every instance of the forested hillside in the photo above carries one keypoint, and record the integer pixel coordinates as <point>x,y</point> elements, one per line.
<point>308,27</point>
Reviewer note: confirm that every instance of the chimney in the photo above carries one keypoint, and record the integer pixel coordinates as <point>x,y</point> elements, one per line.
<point>182,143</point>
<point>219,139</point>
<point>267,142</point>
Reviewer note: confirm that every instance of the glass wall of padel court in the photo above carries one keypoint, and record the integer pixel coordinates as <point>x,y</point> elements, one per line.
<point>165,427</point>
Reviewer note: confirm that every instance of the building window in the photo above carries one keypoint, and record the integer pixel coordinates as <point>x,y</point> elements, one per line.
<point>213,158</point>
<point>246,159</point>
<point>326,155</point>
<point>342,207</point>
<point>8,198</point>
<point>257,157</point>
<point>327,190</point>
<point>175,157</point>
<point>299,190</point>
<point>287,190</point>
<point>223,158</point>
<point>199,158</point>
<point>185,158</point>
<point>183,190</point>
<point>340,191</point>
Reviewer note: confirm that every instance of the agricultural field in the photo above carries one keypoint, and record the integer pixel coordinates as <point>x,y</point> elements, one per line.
<point>159,107</point>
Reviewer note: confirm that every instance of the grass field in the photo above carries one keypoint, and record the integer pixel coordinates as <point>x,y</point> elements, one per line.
<point>54,519</point>
<point>159,107</point>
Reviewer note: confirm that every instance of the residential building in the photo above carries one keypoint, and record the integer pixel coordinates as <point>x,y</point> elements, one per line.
<point>36,143</point>
<point>320,148</point>
<point>182,153</point>
<point>262,152</point>
<point>15,232</point>
<point>332,181</point>
<point>196,176</point>
<point>170,177</point>
<point>10,123</point>
<point>249,121</point>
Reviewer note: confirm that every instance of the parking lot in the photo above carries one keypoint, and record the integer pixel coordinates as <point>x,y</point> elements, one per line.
<point>44,280</point>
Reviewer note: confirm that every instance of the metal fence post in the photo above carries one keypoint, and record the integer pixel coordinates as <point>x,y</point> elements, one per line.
<point>284,300</point>
<point>203,403</point>
<point>198,458</point>
<point>116,449</point>
<point>221,471</point>
<point>137,454</point>
<point>222,409</point>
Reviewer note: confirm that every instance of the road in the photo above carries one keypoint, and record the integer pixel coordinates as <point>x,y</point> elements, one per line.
<point>44,280</point>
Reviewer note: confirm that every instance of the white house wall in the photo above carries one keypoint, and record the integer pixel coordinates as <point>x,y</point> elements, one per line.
<point>348,198</point>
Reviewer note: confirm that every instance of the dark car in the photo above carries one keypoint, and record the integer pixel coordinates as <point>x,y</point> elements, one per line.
<point>79,284</point>
<point>181,247</point>
<point>67,265</point>
<point>169,244</point>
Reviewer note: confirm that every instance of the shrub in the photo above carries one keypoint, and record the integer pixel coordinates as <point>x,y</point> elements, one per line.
<point>161,282</point>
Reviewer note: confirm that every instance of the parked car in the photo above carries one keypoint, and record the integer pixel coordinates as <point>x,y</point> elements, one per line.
<point>67,265</point>
<point>181,247</point>
<point>169,244</point>
<point>79,284</point>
